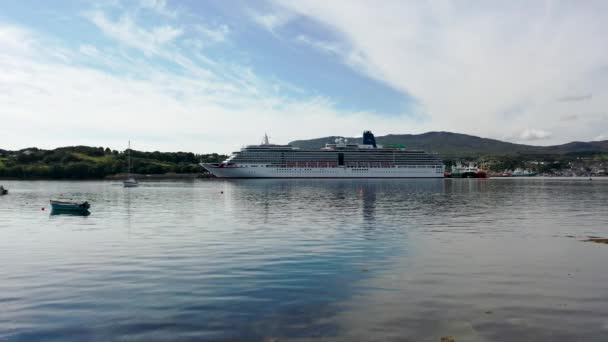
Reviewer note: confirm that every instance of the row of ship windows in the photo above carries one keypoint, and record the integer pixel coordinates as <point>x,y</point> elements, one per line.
<point>389,171</point>
<point>356,166</point>
<point>334,156</point>
<point>323,156</point>
<point>333,170</point>
<point>438,168</point>
<point>330,154</point>
<point>409,161</point>
<point>291,170</point>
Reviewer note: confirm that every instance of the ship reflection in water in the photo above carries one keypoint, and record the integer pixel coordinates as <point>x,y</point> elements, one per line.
<point>325,196</point>
<point>326,260</point>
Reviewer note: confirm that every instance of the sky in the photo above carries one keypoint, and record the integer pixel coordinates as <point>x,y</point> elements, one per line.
<point>212,76</point>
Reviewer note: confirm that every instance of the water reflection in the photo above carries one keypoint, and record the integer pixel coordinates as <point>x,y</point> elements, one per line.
<point>340,197</point>
<point>368,197</point>
<point>128,211</point>
<point>306,260</point>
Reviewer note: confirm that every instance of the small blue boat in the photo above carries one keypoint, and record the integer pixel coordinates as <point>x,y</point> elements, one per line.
<point>69,213</point>
<point>70,206</point>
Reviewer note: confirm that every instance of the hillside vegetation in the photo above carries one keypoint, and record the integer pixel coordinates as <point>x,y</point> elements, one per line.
<point>454,145</point>
<point>83,162</point>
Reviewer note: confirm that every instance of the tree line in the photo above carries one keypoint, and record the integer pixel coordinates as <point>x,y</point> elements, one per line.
<point>85,162</point>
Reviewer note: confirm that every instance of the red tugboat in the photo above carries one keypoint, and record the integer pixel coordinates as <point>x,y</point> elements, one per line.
<point>481,174</point>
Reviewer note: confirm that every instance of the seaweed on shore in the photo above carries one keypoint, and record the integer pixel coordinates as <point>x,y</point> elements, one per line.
<point>597,239</point>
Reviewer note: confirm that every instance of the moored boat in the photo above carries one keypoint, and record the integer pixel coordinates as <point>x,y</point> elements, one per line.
<point>464,171</point>
<point>130,182</point>
<point>523,173</point>
<point>3,191</point>
<point>481,174</point>
<point>69,206</point>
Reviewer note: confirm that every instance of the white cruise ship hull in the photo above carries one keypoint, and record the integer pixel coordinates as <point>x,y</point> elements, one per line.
<point>263,171</point>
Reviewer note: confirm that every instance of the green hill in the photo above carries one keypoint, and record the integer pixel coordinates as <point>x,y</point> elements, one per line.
<point>456,145</point>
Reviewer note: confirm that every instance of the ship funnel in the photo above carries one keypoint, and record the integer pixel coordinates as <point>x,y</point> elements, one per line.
<point>369,139</point>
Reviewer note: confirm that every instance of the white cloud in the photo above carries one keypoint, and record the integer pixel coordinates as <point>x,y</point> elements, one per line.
<point>534,134</point>
<point>158,6</point>
<point>323,46</point>
<point>569,117</point>
<point>89,50</point>
<point>201,110</point>
<point>164,34</point>
<point>601,137</point>
<point>467,65</point>
<point>466,68</point>
<point>270,21</point>
<point>215,34</point>
<point>14,39</point>
<point>126,31</point>
<point>575,98</point>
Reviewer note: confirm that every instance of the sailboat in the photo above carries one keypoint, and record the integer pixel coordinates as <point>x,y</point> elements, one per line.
<point>130,182</point>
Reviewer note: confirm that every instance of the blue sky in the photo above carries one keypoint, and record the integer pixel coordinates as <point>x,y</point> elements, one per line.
<point>210,76</point>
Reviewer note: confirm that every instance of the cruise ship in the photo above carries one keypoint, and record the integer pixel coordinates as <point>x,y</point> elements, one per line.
<point>337,160</point>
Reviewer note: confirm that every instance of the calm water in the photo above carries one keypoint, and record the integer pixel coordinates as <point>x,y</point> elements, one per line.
<point>331,260</point>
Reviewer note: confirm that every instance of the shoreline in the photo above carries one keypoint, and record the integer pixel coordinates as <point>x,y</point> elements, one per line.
<point>121,176</point>
<point>208,176</point>
<point>170,175</point>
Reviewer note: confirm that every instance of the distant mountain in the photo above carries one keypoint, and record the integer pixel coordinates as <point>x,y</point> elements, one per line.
<point>456,145</point>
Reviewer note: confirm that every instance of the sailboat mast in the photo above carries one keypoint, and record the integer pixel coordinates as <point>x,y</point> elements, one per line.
<point>129,160</point>
<point>130,182</point>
